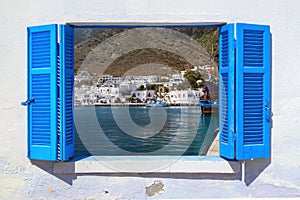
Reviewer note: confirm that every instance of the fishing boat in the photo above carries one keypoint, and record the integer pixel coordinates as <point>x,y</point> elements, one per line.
<point>208,107</point>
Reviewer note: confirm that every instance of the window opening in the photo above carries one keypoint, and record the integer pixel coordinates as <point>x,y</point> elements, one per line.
<point>138,91</point>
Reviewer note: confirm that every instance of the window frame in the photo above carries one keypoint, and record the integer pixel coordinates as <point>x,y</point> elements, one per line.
<point>147,25</point>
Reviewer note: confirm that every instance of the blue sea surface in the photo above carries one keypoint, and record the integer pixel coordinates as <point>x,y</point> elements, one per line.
<point>109,131</point>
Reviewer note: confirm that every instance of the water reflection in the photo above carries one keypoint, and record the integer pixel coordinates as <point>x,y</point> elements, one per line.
<point>183,132</point>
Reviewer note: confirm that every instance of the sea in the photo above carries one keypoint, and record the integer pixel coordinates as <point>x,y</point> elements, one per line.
<point>139,130</point>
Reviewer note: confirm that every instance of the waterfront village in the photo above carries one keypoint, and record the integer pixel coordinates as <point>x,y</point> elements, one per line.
<point>173,89</point>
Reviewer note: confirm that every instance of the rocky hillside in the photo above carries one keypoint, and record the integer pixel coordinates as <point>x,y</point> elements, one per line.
<point>143,51</point>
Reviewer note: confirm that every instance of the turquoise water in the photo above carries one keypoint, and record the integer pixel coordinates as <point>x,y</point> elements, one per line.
<point>105,130</point>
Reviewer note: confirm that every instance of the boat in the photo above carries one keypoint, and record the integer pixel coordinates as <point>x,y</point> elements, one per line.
<point>157,103</point>
<point>208,107</point>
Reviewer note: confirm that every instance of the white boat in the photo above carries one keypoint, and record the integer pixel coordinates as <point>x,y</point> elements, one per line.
<point>157,103</point>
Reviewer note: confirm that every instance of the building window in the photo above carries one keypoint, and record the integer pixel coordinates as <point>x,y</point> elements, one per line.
<point>244,73</point>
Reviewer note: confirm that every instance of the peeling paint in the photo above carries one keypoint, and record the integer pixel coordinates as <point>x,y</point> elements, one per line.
<point>156,188</point>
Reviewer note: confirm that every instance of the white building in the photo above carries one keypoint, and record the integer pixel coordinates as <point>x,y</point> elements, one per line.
<point>177,76</point>
<point>184,96</point>
<point>110,94</point>
<point>127,86</point>
<point>109,79</point>
<point>85,95</point>
<point>173,83</point>
<point>143,95</point>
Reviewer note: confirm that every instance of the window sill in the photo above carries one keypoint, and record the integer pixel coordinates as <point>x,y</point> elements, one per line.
<point>147,164</point>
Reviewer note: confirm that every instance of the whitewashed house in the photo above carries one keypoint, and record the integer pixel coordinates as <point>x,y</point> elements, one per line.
<point>185,96</point>
<point>115,80</point>
<point>143,95</point>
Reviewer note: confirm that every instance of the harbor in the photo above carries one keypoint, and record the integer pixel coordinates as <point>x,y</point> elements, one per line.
<point>130,90</point>
<point>138,130</point>
<point>144,104</point>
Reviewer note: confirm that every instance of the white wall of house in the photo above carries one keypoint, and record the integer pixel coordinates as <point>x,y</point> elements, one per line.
<point>22,179</point>
<point>143,94</point>
<point>185,96</point>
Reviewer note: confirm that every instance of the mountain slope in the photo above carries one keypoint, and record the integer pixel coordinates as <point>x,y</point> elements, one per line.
<point>145,50</point>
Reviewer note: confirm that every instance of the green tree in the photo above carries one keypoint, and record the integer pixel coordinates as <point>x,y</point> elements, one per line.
<point>141,88</point>
<point>194,78</point>
<point>152,87</point>
<point>164,80</point>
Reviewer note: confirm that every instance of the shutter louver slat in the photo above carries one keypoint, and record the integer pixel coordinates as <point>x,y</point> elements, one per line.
<point>253,86</point>
<point>69,106</point>
<point>66,91</point>
<point>39,137</point>
<point>253,113</point>
<point>224,118</point>
<point>226,88</point>
<point>42,112</point>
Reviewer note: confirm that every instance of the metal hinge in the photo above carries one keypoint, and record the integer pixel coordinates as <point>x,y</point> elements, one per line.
<point>234,136</point>
<point>269,113</point>
<point>235,44</point>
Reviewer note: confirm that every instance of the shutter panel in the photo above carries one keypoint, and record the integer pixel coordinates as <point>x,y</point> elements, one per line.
<point>42,90</point>
<point>227,91</point>
<point>66,144</point>
<point>253,91</point>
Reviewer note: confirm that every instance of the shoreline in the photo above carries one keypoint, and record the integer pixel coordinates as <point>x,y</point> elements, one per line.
<point>137,104</point>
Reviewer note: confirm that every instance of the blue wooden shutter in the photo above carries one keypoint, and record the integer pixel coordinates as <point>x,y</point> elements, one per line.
<point>66,144</point>
<point>42,92</point>
<point>253,91</point>
<point>227,90</point>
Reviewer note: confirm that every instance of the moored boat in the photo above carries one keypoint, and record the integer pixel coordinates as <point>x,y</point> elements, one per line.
<point>157,103</point>
<point>208,107</point>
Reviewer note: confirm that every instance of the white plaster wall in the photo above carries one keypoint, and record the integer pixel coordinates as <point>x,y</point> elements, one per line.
<point>19,179</point>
